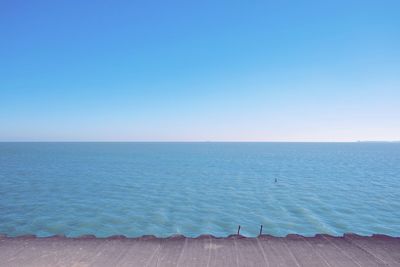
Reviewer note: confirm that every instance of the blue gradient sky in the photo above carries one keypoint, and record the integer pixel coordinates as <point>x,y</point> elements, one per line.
<point>199,70</point>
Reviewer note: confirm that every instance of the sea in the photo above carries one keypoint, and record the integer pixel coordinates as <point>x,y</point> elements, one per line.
<point>164,189</point>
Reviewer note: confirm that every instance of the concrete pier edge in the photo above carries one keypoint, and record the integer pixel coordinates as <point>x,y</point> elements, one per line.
<point>203,236</point>
<point>320,250</point>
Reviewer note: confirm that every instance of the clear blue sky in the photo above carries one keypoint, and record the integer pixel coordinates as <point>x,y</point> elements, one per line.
<point>199,70</point>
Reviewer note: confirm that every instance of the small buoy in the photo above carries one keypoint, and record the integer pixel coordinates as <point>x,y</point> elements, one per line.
<point>276,180</point>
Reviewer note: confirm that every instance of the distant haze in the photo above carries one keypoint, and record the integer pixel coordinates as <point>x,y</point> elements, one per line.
<point>199,71</point>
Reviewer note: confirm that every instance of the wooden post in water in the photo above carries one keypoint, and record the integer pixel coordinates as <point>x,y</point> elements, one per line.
<point>261,230</point>
<point>238,230</point>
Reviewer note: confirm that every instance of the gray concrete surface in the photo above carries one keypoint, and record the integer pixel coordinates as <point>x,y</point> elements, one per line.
<point>292,251</point>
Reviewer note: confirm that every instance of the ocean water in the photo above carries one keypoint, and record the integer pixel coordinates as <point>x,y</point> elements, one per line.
<point>163,189</point>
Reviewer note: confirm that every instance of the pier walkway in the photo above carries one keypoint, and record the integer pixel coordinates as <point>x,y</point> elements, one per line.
<point>292,251</point>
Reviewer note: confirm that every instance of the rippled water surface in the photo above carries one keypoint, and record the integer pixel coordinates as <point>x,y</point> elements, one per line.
<point>196,188</point>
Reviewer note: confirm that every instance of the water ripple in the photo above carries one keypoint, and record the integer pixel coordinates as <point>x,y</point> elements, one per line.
<point>196,188</point>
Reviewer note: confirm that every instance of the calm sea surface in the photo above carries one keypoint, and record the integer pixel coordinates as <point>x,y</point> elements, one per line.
<point>199,188</point>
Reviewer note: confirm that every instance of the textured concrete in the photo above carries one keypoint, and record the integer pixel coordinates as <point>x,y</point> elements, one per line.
<point>293,251</point>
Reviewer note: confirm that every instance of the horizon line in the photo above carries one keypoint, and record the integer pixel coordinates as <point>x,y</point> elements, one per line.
<point>195,141</point>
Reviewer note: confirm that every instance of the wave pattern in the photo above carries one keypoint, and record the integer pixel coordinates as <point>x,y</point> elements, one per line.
<point>135,189</point>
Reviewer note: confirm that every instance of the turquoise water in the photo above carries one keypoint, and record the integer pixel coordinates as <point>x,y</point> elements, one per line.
<point>197,188</point>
